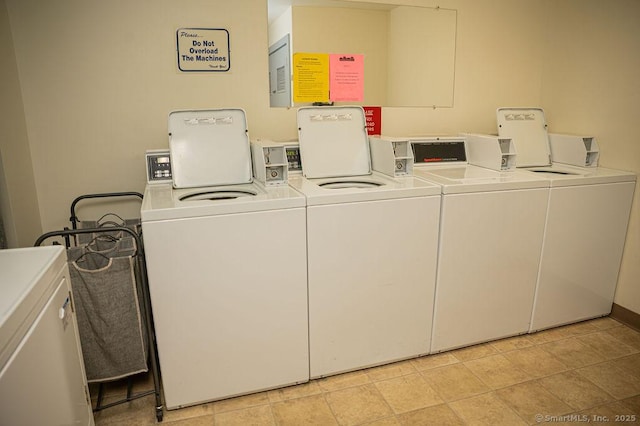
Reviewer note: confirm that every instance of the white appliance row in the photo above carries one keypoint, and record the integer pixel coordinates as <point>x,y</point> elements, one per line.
<point>525,244</point>
<point>322,265</point>
<point>262,284</point>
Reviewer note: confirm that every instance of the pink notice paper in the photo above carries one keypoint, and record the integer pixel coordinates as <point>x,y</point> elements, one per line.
<point>346,78</point>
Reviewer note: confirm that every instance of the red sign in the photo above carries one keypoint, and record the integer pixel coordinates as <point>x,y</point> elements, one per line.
<point>373,117</point>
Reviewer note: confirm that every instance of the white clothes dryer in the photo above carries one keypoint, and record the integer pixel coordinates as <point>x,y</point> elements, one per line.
<point>372,248</point>
<point>586,225</point>
<point>226,260</point>
<point>486,274</point>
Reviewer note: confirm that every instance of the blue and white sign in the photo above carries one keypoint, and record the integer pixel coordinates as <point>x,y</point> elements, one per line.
<point>203,49</point>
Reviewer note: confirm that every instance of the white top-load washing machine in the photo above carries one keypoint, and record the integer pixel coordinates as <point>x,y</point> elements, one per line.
<point>372,248</point>
<point>226,260</point>
<point>486,274</point>
<point>42,376</point>
<point>586,224</point>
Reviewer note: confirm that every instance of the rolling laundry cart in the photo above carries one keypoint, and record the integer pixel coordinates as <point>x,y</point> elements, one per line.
<point>111,297</point>
<point>107,219</point>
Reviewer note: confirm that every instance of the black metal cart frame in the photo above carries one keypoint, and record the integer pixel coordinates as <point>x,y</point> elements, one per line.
<point>141,271</point>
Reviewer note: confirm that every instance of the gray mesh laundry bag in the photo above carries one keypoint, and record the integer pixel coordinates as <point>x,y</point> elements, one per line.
<point>109,317</point>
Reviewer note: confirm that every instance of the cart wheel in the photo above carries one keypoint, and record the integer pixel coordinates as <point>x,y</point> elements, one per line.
<point>159,414</point>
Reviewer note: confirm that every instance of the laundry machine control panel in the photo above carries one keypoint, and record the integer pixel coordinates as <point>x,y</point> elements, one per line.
<point>491,151</point>
<point>439,150</point>
<point>581,151</point>
<point>293,158</point>
<point>158,166</point>
<point>271,162</point>
<point>391,156</point>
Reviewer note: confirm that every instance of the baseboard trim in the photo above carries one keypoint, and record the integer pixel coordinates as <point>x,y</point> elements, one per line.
<point>626,316</point>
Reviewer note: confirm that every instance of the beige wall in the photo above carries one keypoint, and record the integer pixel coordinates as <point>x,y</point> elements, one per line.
<point>344,30</point>
<point>18,199</point>
<point>281,26</point>
<point>498,63</point>
<point>590,86</point>
<point>421,64</point>
<point>99,78</point>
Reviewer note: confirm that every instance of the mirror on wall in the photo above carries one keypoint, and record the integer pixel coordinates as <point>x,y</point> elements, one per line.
<point>409,51</point>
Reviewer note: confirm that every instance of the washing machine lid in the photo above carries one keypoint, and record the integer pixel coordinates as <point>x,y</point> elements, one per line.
<point>469,178</point>
<point>527,129</point>
<point>333,142</point>
<point>373,187</point>
<point>209,147</point>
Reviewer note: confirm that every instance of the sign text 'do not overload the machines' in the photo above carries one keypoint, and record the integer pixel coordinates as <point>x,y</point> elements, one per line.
<point>203,49</point>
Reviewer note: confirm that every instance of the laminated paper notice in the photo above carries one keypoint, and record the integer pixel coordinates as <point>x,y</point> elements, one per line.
<point>203,49</point>
<point>346,78</point>
<point>310,77</point>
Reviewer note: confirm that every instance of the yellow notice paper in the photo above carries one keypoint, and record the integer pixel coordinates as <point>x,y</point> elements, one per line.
<point>310,77</point>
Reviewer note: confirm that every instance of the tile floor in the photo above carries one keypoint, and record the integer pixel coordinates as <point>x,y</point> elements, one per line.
<point>585,371</point>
